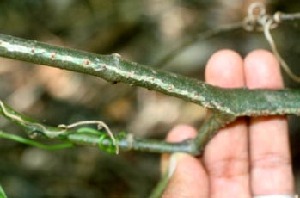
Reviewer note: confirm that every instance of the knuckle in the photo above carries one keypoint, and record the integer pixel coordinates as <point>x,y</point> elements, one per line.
<point>228,167</point>
<point>271,160</point>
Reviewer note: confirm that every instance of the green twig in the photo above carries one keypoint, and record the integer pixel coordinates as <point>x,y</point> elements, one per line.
<point>88,136</point>
<point>34,143</point>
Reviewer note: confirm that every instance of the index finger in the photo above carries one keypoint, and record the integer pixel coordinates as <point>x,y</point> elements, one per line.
<point>270,161</point>
<point>227,165</point>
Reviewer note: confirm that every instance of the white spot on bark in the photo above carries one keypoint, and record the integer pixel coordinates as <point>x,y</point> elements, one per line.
<point>116,58</point>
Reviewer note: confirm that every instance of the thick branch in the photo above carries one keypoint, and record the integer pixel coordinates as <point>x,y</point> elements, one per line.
<point>109,67</point>
<point>238,102</point>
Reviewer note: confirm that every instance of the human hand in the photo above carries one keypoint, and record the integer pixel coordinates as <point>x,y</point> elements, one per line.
<point>248,157</point>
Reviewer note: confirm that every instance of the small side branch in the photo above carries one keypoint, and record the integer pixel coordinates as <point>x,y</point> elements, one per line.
<point>210,128</point>
<point>70,136</point>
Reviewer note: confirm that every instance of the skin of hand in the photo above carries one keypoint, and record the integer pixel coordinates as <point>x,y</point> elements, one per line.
<point>248,157</point>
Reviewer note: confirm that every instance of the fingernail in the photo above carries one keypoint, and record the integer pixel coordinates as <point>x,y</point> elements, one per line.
<point>174,162</point>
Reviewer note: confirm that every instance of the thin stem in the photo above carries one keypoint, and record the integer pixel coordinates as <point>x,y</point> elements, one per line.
<point>199,37</point>
<point>135,144</point>
<point>161,186</point>
<point>283,64</point>
<point>214,32</point>
<point>84,136</point>
<point>22,140</point>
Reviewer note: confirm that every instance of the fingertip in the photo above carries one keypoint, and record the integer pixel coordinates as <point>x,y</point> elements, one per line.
<point>177,134</point>
<point>268,159</point>
<point>226,156</point>
<point>189,178</point>
<point>262,70</point>
<point>224,68</point>
<point>180,133</point>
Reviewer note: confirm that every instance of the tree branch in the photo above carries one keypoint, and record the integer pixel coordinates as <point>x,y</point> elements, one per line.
<point>114,69</point>
<point>226,103</point>
<point>109,67</point>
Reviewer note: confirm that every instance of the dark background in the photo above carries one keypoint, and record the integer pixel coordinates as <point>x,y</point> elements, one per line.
<point>140,30</point>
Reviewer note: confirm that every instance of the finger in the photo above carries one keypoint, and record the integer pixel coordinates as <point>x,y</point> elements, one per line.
<point>271,171</point>
<point>189,178</point>
<point>226,156</point>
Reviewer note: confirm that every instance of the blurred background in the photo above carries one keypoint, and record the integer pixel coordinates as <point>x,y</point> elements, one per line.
<point>140,30</point>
